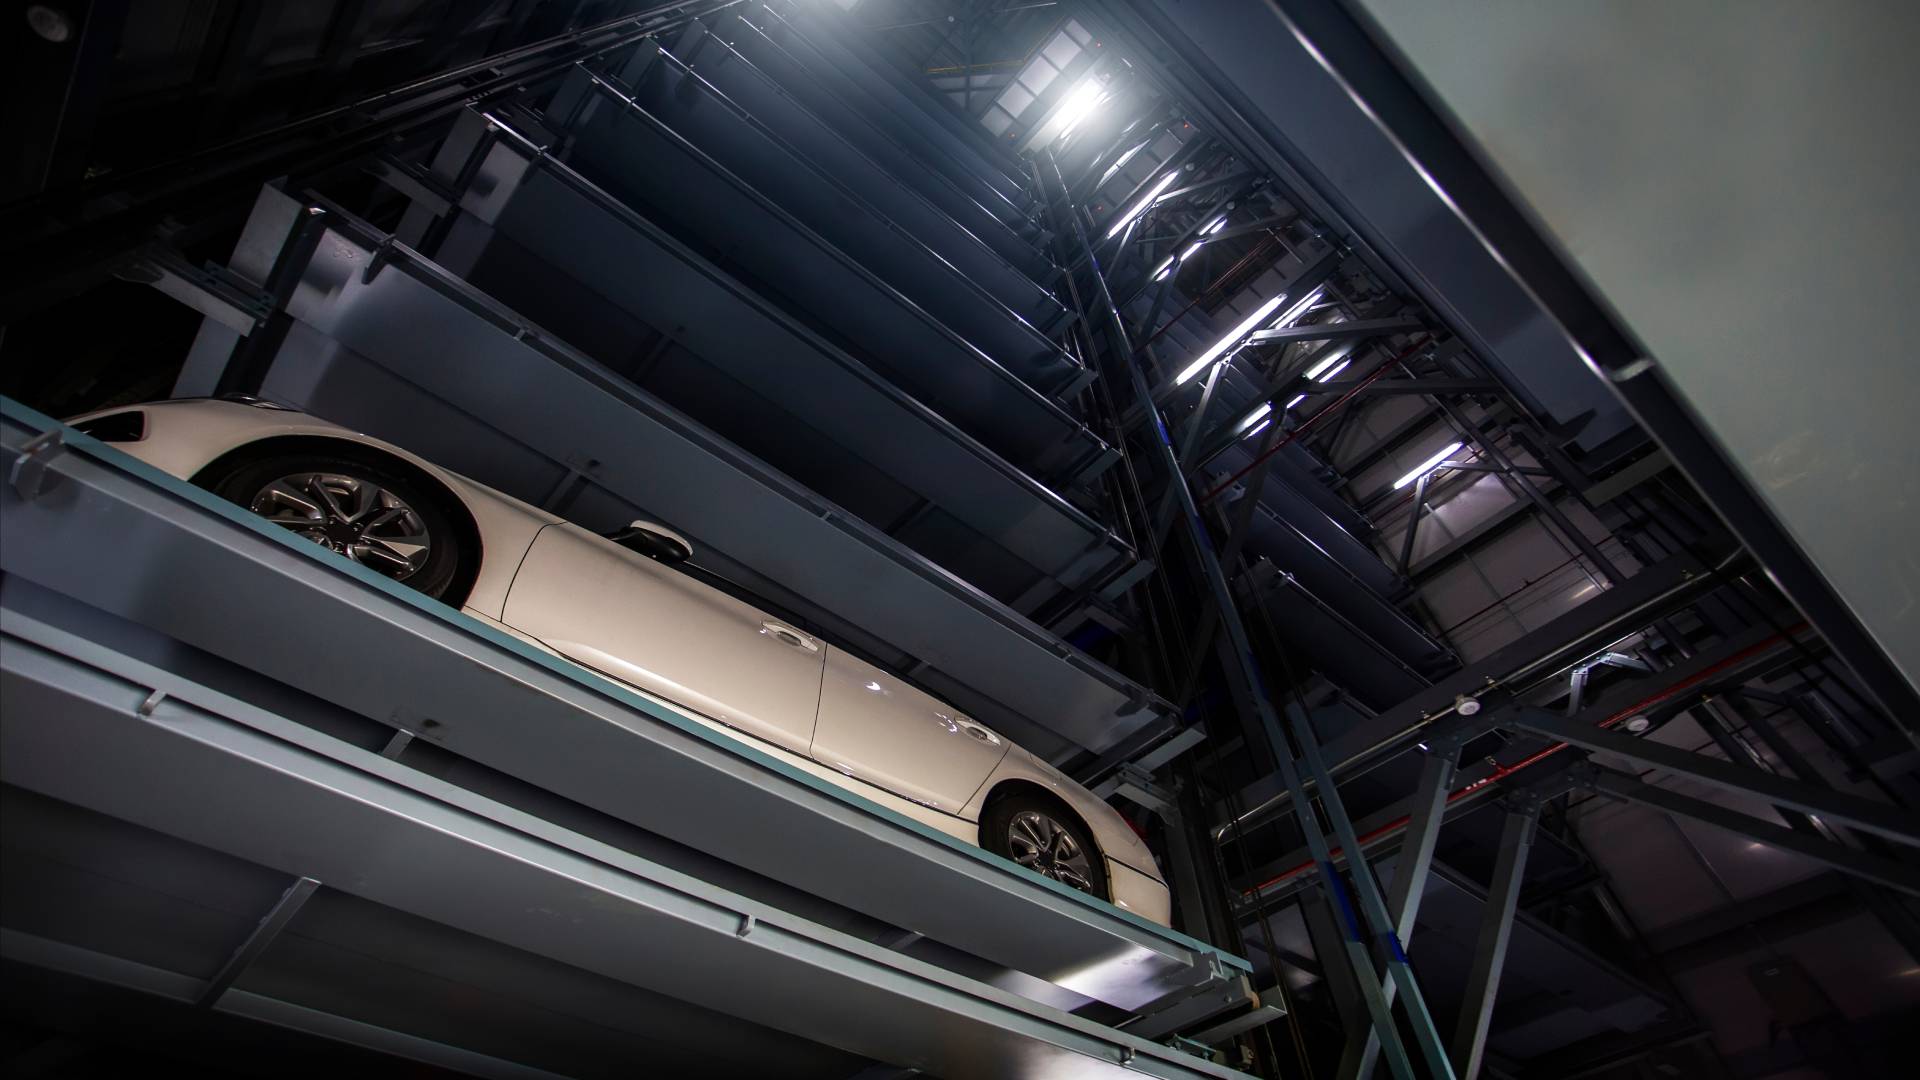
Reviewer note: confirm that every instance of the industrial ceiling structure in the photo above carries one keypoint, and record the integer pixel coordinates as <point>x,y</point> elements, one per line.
<point>1260,411</point>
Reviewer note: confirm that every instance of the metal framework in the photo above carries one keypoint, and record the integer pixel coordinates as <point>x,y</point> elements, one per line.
<point>1030,354</point>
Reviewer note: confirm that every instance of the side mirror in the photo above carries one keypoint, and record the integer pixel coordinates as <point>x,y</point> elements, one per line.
<point>654,541</point>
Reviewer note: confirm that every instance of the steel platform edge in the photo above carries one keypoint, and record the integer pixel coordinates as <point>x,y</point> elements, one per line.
<point>449,680</point>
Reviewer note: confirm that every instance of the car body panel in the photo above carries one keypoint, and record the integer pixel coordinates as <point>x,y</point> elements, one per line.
<point>874,726</point>
<point>1140,890</point>
<point>184,437</point>
<point>625,615</point>
<point>691,649</point>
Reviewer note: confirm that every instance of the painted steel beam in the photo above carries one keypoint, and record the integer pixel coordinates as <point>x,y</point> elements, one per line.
<point>1631,788</point>
<point>1287,335</point>
<point>1429,810</point>
<point>1490,952</point>
<point>217,772</point>
<point>1892,822</point>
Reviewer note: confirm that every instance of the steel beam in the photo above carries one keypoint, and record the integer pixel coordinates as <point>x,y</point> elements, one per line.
<point>1288,335</point>
<point>1248,685</point>
<point>217,772</point>
<point>1490,952</point>
<point>1428,813</point>
<point>1889,821</point>
<point>1631,788</point>
<point>275,920</point>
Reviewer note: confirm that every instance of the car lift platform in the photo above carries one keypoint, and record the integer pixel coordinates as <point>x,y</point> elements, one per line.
<point>142,739</point>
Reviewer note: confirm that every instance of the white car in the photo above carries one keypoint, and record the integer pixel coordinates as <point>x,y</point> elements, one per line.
<point>633,608</point>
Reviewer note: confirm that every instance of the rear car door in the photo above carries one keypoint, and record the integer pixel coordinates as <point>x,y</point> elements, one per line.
<point>876,727</point>
<point>644,623</point>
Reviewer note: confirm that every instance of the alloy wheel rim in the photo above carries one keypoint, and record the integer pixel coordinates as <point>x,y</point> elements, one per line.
<point>1048,848</point>
<point>356,517</point>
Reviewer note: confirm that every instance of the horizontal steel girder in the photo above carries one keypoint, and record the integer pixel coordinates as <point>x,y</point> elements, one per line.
<point>217,772</point>
<point>1889,821</point>
<point>1631,788</point>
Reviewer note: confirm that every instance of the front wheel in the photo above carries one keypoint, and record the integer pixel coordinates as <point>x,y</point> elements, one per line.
<point>1037,834</point>
<point>354,505</point>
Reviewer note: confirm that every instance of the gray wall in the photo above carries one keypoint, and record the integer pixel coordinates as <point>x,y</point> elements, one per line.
<point>1739,183</point>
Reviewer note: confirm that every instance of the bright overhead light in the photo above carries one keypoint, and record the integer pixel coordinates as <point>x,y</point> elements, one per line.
<point>1428,465</point>
<point>1254,416</point>
<point>1337,369</point>
<point>1079,105</point>
<point>1140,207</point>
<point>1233,338</point>
<point>1298,398</point>
<point>1293,313</point>
<point>1166,268</point>
<point>1195,247</point>
<point>1257,428</point>
<point>1218,223</point>
<point>1314,372</point>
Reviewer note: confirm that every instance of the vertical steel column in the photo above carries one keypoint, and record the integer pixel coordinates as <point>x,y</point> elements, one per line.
<point>1490,953</point>
<point>1244,671</point>
<point>1428,811</point>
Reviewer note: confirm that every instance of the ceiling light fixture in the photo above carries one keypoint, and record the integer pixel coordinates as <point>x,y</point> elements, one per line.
<point>1296,311</point>
<point>1230,340</point>
<point>1140,207</point>
<point>1085,98</point>
<point>1428,466</point>
<point>1313,373</point>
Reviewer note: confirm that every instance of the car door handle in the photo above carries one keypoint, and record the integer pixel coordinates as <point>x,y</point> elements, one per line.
<point>787,635</point>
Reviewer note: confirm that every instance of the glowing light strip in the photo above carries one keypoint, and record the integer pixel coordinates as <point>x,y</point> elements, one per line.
<point>1231,339</point>
<point>1140,207</point>
<point>1428,466</point>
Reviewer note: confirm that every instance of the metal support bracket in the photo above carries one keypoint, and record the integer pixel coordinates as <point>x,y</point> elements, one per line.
<point>274,921</point>
<point>30,471</point>
<point>213,290</point>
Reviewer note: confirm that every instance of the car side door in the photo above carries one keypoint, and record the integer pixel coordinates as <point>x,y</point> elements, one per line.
<point>644,623</point>
<point>876,727</point>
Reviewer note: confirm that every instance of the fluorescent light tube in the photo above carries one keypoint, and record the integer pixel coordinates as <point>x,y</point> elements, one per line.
<point>1218,223</point>
<point>1428,466</point>
<point>1257,428</point>
<point>1296,311</point>
<point>1337,369</point>
<point>1233,337</point>
<point>1313,374</point>
<point>1190,250</point>
<point>1140,207</point>
<point>1297,400</point>
<point>1255,415</point>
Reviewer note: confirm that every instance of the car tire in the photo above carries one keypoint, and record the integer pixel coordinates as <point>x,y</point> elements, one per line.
<point>1018,826</point>
<point>362,507</point>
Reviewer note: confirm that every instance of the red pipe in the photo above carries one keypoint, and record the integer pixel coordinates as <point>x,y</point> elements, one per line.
<point>1317,417</point>
<point>1502,772</point>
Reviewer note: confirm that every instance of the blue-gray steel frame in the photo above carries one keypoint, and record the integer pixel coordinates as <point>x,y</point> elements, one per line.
<point>1250,686</point>
<point>450,681</point>
<point>217,772</point>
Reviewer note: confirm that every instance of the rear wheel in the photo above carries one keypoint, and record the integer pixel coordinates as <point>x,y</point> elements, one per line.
<point>355,505</point>
<point>1036,833</point>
